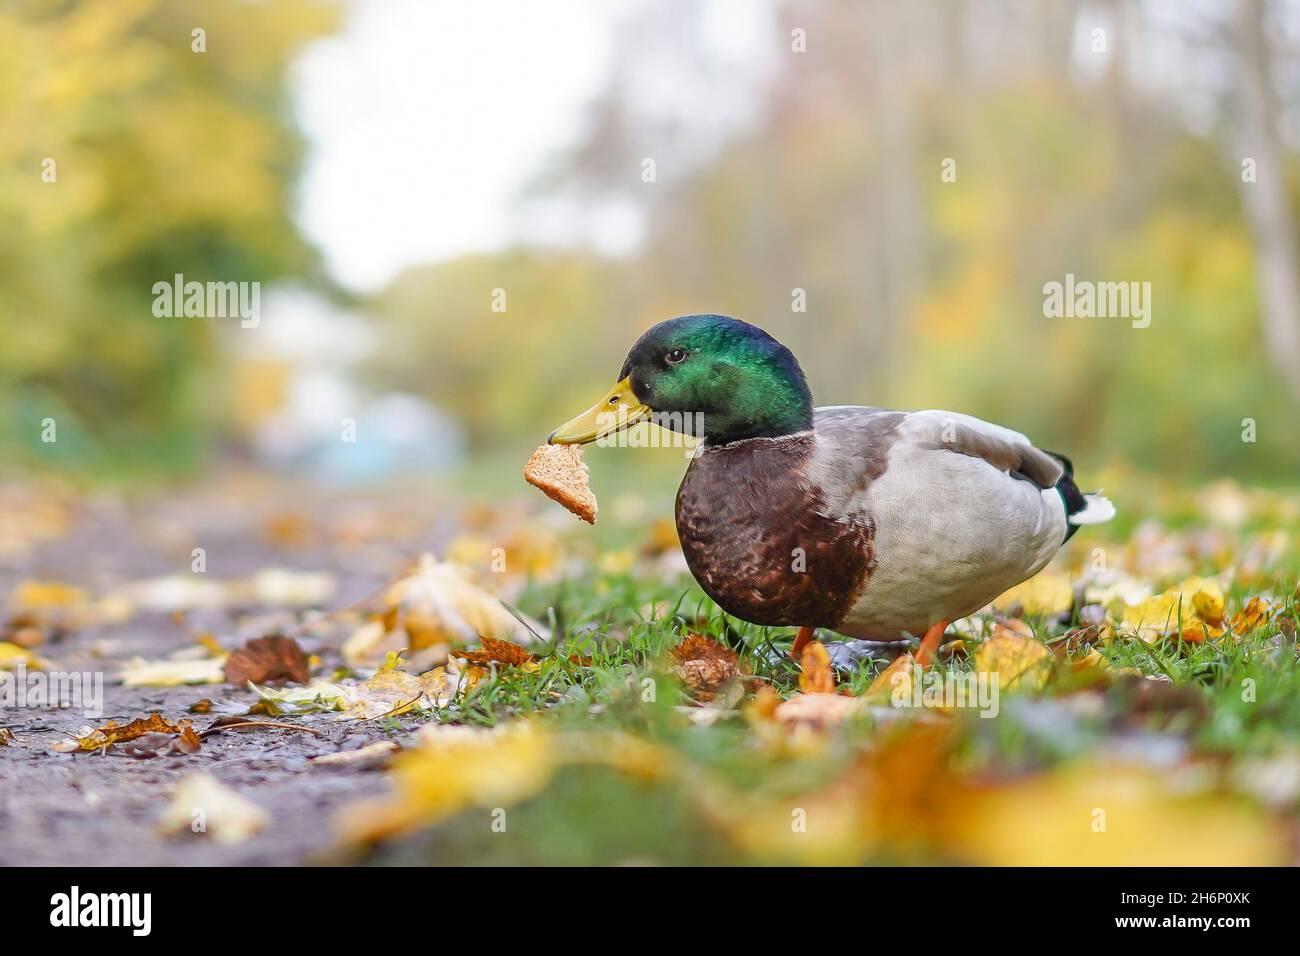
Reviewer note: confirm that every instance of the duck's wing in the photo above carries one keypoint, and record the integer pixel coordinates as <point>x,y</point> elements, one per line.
<point>1011,452</point>
<point>1004,449</point>
<point>867,437</point>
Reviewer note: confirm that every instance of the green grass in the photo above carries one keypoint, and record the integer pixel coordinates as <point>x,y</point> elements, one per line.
<point>1195,709</point>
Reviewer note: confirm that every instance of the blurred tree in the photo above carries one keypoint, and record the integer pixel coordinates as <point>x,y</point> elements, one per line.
<point>1264,194</point>
<point>1082,144</point>
<point>495,339</point>
<point>126,157</point>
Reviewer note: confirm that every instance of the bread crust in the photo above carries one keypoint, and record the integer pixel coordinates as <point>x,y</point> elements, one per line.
<point>561,473</point>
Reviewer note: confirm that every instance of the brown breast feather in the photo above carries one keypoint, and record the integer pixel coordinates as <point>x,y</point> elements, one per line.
<point>753,513</point>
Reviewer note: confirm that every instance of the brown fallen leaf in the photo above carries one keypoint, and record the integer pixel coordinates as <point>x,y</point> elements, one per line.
<point>274,659</point>
<point>91,739</point>
<point>1258,611</point>
<point>7,738</point>
<point>496,651</point>
<point>1077,640</point>
<point>24,630</point>
<point>815,673</point>
<point>703,665</point>
<point>161,745</point>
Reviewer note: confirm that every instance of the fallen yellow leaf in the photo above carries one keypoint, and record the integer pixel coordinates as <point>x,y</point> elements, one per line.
<point>1019,662</point>
<point>204,670</point>
<point>452,769</point>
<point>1106,815</point>
<point>203,806</point>
<point>815,673</point>
<point>1257,612</point>
<point>1192,600</point>
<point>1048,592</point>
<point>436,603</point>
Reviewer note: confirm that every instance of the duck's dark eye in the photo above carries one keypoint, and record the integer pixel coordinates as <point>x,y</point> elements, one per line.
<point>676,356</point>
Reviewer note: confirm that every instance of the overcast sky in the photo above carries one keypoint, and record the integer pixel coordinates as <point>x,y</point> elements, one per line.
<point>426,117</point>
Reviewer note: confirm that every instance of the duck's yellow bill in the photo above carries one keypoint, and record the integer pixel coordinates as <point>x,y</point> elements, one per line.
<point>618,410</point>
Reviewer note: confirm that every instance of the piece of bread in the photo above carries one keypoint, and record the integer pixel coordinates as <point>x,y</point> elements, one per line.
<point>560,472</point>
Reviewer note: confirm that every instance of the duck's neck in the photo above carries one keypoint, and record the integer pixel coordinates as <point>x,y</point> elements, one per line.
<point>763,406</point>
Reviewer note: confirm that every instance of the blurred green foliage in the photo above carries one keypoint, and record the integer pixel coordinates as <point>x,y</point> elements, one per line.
<point>166,161</point>
<point>973,336</point>
<point>920,292</point>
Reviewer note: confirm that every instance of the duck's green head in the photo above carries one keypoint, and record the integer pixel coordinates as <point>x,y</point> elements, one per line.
<point>707,375</point>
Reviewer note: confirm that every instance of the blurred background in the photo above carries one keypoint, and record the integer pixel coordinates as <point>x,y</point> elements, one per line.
<point>461,214</point>
<point>383,168</point>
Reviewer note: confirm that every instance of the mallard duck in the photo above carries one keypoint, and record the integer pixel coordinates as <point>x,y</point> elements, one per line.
<point>875,524</point>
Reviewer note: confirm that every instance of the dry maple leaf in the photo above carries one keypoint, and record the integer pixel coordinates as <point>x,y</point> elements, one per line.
<point>274,659</point>
<point>703,665</point>
<point>1257,611</point>
<point>162,744</point>
<point>111,733</point>
<point>496,651</point>
<point>815,673</point>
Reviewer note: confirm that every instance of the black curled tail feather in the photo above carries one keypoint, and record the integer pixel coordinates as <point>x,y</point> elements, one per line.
<point>1070,493</point>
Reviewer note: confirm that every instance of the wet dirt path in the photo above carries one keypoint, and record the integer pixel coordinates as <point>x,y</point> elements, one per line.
<point>102,808</point>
